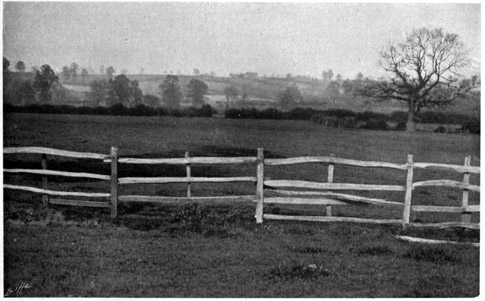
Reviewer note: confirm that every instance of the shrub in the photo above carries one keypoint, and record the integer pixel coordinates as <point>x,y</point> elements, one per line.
<point>376,124</point>
<point>206,111</point>
<point>399,116</point>
<point>300,114</point>
<point>142,110</point>
<point>472,125</point>
<point>401,126</point>
<point>367,116</point>
<point>232,113</point>
<point>117,109</point>
<point>340,113</point>
<point>271,113</point>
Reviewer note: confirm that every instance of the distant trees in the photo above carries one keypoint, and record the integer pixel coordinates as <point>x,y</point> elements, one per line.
<point>290,97</point>
<point>196,90</point>
<point>99,91</point>
<point>20,66</point>
<point>73,69</point>
<point>44,79</point>
<point>110,71</point>
<point>136,93</point>
<point>121,86</point>
<point>171,93</point>
<point>423,72</point>
<point>6,71</point>
<point>120,91</point>
<point>66,72</point>
<point>230,92</point>
<point>26,93</point>
<point>327,75</point>
<point>84,73</point>
<point>151,100</point>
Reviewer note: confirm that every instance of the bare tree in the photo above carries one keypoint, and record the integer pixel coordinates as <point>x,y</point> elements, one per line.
<point>423,72</point>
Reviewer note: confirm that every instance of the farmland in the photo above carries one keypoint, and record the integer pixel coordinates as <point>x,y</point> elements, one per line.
<point>218,250</point>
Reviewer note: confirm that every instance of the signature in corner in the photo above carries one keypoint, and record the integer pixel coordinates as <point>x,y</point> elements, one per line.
<point>18,290</point>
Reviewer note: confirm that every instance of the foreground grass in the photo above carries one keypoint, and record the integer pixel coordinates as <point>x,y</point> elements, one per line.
<point>182,251</point>
<point>218,251</point>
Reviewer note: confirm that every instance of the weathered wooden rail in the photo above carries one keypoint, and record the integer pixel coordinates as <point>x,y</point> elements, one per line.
<point>321,193</point>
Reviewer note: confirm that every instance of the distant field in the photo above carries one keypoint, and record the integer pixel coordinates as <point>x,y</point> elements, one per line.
<point>219,251</point>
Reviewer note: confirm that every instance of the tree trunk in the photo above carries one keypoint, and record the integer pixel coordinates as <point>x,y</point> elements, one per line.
<point>410,124</point>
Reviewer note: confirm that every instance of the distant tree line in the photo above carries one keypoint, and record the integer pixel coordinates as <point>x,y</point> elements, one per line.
<point>349,119</point>
<point>36,87</point>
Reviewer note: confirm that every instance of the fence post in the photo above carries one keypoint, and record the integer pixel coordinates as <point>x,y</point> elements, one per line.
<point>330,180</point>
<point>466,217</point>
<point>259,186</point>
<point>45,197</point>
<point>187,168</point>
<point>409,191</point>
<point>114,182</point>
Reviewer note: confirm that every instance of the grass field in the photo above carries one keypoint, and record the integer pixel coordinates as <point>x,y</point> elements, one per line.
<point>218,250</point>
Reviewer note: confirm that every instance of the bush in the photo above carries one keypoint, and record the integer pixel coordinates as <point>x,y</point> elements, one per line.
<point>300,114</point>
<point>340,113</point>
<point>206,111</point>
<point>401,126</point>
<point>366,116</point>
<point>117,109</point>
<point>399,116</point>
<point>232,113</point>
<point>271,113</point>
<point>472,125</point>
<point>376,124</point>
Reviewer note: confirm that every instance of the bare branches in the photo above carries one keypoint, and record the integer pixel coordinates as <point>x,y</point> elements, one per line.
<point>423,71</point>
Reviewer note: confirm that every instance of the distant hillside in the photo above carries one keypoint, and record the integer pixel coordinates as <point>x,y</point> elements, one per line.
<point>262,92</point>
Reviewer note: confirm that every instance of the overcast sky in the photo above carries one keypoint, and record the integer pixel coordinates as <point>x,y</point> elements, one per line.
<point>270,38</point>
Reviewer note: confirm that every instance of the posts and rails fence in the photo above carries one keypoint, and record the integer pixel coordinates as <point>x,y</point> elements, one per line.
<point>289,191</point>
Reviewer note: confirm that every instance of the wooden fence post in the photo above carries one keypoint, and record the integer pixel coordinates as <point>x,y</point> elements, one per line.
<point>114,182</point>
<point>409,191</point>
<point>45,197</point>
<point>466,217</point>
<point>330,180</point>
<point>259,186</point>
<point>187,168</point>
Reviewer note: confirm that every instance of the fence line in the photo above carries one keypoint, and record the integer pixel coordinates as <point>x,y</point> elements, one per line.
<point>263,185</point>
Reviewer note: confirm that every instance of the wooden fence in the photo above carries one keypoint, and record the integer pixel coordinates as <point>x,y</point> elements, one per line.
<point>318,195</point>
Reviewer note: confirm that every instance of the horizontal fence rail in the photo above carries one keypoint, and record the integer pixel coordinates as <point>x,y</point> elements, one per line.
<point>287,191</point>
<point>331,186</point>
<point>54,192</point>
<point>447,183</point>
<point>179,200</point>
<point>52,151</point>
<point>166,180</point>
<point>193,160</point>
<point>59,173</point>
<point>333,160</point>
<point>457,168</point>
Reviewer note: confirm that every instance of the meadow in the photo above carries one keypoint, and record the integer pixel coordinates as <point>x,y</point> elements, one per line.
<point>199,250</point>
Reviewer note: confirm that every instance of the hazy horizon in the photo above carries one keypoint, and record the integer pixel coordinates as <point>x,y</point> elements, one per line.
<point>267,38</point>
